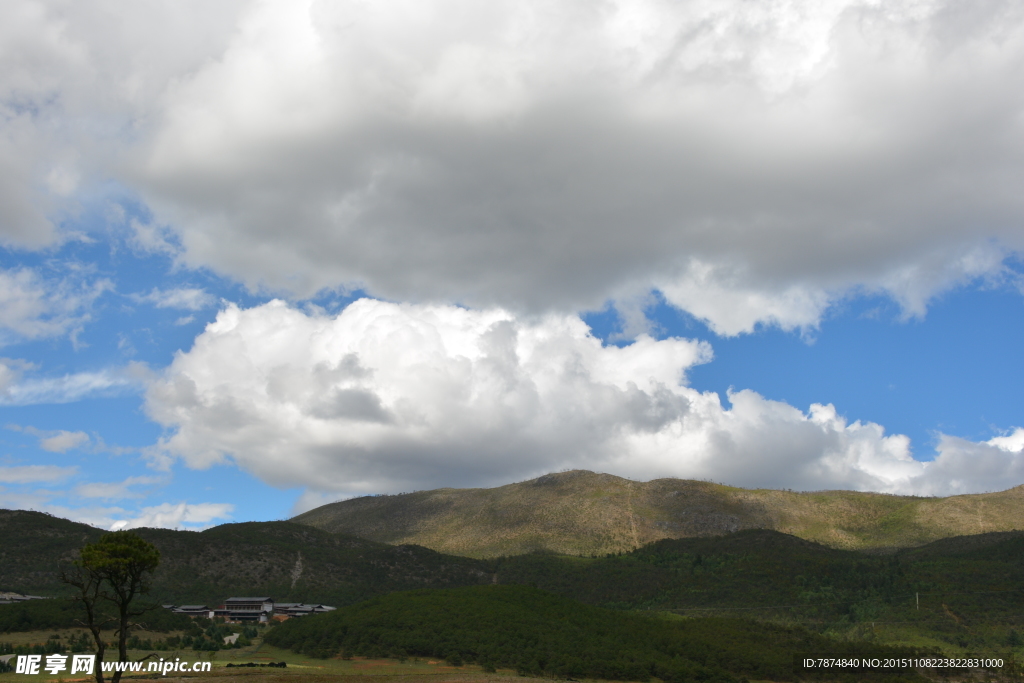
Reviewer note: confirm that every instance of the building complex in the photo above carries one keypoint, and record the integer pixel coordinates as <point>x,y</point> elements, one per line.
<point>259,609</point>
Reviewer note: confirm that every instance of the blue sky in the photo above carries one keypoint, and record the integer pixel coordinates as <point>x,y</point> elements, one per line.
<point>314,252</point>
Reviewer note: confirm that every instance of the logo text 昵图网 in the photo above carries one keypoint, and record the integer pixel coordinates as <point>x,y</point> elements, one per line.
<point>86,664</point>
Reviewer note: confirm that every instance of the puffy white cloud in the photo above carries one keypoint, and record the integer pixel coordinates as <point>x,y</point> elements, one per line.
<point>963,466</point>
<point>187,298</point>
<point>732,304</point>
<point>77,83</point>
<point>756,161</point>
<point>1012,442</point>
<point>388,397</point>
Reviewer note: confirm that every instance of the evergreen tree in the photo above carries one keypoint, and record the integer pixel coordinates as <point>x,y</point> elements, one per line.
<point>112,573</point>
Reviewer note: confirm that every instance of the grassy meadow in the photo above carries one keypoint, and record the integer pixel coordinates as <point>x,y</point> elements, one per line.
<point>299,666</point>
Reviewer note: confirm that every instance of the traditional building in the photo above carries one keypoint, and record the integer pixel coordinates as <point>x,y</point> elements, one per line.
<point>190,610</point>
<point>8,597</point>
<point>251,609</point>
<point>245,609</point>
<point>298,609</point>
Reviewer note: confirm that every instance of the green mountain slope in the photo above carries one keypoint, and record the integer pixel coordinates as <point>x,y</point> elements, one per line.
<point>539,633</point>
<point>33,544</point>
<point>290,562</point>
<point>964,593</point>
<point>583,513</point>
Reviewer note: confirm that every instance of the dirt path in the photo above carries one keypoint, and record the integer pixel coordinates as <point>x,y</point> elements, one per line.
<point>632,519</point>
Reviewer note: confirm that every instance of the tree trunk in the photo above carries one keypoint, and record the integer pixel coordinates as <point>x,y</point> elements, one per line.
<point>89,586</point>
<point>122,632</point>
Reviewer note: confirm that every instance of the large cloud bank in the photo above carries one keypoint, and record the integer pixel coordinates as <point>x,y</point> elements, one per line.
<point>753,161</point>
<point>387,397</point>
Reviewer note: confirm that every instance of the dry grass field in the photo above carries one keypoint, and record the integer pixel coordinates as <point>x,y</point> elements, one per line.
<point>584,513</point>
<point>299,667</point>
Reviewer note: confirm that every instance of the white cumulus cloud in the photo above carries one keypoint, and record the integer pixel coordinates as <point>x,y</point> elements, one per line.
<point>390,397</point>
<point>963,466</point>
<point>76,83</point>
<point>387,395</point>
<point>754,161</point>
<point>1012,442</point>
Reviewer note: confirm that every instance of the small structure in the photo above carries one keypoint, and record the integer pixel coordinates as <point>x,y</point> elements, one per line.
<point>10,597</point>
<point>245,609</point>
<point>298,609</point>
<point>259,609</point>
<point>192,610</point>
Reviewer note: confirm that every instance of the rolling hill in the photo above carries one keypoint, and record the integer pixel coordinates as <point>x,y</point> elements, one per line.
<point>585,513</point>
<point>961,592</point>
<point>290,562</point>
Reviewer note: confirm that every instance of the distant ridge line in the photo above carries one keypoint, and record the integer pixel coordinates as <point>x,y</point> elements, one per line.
<point>579,512</point>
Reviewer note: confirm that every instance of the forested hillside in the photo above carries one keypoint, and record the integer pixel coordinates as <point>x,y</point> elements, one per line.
<point>290,562</point>
<point>537,633</point>
<point>961,593</point>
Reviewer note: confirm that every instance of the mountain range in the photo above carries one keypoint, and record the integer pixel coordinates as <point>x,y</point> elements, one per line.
<point>586,513</point>
<point>958,592</point>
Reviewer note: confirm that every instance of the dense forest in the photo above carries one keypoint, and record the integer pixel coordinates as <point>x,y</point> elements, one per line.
<point>291,562</point>
<point>963,593</point>
<point>64,613</point>
<point>537,633</point>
